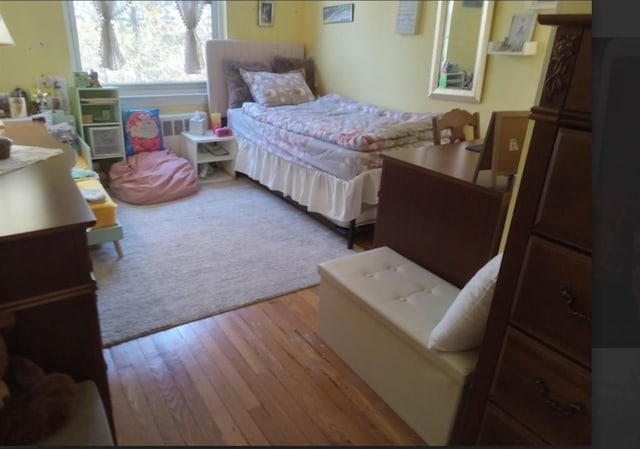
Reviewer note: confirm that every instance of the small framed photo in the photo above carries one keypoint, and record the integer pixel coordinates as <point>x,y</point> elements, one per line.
<point>265,13</point>
<point>542,4</point>
<point>521,31</point>
<point>18,107</point>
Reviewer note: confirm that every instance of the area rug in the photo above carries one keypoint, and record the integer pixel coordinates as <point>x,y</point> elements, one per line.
<point>231,244</point>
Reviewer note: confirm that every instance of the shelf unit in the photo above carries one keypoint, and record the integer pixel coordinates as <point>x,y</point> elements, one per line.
<point>193,149</point>
<point>452,79</point>
<point>528,49</point>
<point>97,111</point>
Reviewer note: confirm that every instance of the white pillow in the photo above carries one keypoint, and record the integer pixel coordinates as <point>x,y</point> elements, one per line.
<point>462,326</point>
<point>277,89</point>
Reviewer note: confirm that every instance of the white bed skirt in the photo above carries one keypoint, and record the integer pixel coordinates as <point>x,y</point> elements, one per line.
<point>339,200</point>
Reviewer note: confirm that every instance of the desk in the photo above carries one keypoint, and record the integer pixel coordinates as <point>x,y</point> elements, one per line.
<point>451,159</point>
<point>427,196</point>
<point>45,272</point>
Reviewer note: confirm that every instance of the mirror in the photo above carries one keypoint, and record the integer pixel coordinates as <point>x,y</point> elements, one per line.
<point>460,50</point>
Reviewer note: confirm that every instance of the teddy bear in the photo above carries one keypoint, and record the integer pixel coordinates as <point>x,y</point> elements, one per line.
<point>93,79</point>
<point>33,404</point>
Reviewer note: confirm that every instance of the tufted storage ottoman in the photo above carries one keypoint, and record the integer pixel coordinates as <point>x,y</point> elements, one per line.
<point>377,310</point>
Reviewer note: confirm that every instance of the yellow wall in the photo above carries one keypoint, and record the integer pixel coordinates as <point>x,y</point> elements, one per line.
<point>38,30</point>
<point>383,67</point>
<point>242,21</point>
<point>364,59</point>
<point>393,70</point>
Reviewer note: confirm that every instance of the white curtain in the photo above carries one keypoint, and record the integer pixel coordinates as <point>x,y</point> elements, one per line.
<point>111,55</point>
<point>191,11</point>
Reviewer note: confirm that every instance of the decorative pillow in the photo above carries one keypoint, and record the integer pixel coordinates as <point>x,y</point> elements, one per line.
<point>462,326</point>
<point>277,89</point>
<point>142,131</point>
<point>237,90</point>
<point>284,65</point>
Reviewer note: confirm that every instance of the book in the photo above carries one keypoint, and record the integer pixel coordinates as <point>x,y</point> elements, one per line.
<point>215,149</point>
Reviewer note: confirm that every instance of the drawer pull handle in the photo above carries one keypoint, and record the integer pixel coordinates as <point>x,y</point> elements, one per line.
<point>565,410</point>
<point>569,295</point>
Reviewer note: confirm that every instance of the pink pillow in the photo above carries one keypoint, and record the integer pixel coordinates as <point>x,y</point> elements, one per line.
<point>277,89</point>
<point>142,131</point>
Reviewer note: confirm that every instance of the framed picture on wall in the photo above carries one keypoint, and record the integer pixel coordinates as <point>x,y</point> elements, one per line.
<point>337,13</point>
<point>265,13</point>
<point>521,31</point>
<point>542,4</point>
<point>18,107</point>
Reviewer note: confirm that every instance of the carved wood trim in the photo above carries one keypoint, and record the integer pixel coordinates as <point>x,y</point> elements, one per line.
<point>560,64</point>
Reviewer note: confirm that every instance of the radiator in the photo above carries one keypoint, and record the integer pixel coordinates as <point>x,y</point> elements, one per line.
<point>172,126</point>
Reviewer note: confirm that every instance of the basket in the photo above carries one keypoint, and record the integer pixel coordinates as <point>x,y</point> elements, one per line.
<point>5,147</point>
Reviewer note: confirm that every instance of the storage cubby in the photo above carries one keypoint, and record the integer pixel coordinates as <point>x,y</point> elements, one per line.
<point>97,110</point>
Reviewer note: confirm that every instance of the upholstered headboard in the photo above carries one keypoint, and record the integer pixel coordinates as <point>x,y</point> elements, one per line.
<point>217,50</point>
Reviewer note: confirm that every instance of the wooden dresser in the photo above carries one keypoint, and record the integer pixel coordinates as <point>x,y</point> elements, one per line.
<point>46,273</point>
<point>532,385</point>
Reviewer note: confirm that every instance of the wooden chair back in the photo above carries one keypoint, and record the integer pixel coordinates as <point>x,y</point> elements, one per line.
<point>455,120</point>
<point>503,145</point>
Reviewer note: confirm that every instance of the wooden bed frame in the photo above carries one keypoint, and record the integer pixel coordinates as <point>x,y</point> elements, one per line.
<point>218,50</point>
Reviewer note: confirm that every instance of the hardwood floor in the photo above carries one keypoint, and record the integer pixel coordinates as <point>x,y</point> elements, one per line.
<point>259,375</point>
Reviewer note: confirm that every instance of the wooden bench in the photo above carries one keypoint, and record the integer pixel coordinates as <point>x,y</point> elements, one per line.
<point>378,307</point>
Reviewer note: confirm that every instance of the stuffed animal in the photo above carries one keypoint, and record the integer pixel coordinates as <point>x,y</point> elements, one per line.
<point>34,404</point>
<point>93,79</point>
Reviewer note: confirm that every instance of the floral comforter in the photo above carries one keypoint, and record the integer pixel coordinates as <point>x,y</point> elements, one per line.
<point>347,123</point>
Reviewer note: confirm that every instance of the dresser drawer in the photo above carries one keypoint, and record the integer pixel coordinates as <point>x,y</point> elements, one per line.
<point>43,265</point>
<point>548,392</point>
<point>564,212</point>
<point>553,298</point>
<point>498,429</point>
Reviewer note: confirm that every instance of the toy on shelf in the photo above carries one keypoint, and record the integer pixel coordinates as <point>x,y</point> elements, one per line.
<point>93,79</point>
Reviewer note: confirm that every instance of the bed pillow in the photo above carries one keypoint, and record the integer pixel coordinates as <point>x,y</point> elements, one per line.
<point>142,131</point>
<point>237,90</point>
<point>462,326</point>
<point>277,89</point>
<point>283,65</point>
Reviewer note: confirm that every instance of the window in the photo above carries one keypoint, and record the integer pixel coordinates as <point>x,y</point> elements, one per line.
<point>151,36</point>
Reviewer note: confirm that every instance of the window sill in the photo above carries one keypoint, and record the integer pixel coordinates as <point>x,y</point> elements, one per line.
<point>162,100</point>
<point>162,95</point>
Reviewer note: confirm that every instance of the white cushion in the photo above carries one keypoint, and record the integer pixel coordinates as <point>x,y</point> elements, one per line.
<point>462,326</point>
<point>401,295</point>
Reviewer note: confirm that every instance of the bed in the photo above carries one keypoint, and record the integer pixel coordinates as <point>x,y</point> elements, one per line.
<point>329,171</point>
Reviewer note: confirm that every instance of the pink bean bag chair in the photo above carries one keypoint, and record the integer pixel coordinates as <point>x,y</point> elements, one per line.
<point>150,174</point>
<point>154,177</point>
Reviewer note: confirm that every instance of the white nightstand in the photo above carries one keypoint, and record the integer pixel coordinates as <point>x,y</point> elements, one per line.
<point>194,148</point>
